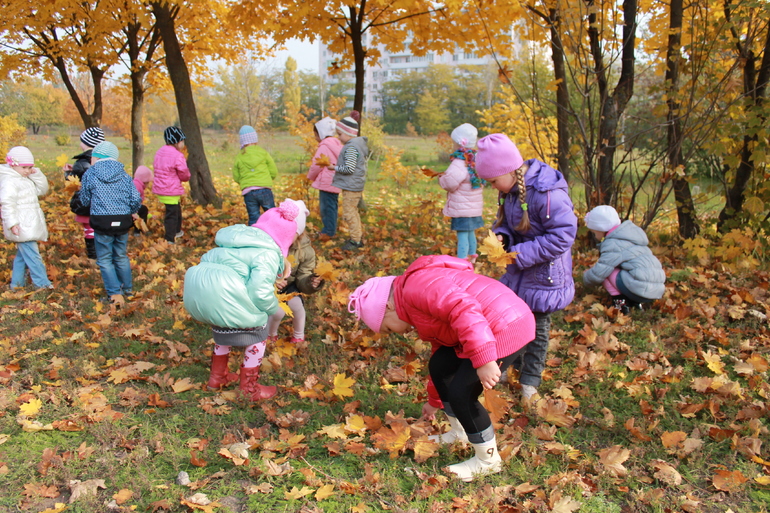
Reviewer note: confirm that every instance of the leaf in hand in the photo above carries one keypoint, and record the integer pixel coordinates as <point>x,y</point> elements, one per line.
<point>429,172</point>
<point>71,184</point>
<point>323,160</point>
<point>495,251</point>
<point>325,270</point>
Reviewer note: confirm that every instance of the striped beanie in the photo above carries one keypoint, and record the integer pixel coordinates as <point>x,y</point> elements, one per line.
<point>105,150</point>
<point>248,135</point>
<point>173,135</point>
<point>92,136</point>
<point>20,156</point>
<point>349,124</point>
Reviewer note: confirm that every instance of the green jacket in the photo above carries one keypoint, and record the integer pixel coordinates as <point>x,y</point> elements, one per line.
<point>254,167</point>
<point>233,286</point>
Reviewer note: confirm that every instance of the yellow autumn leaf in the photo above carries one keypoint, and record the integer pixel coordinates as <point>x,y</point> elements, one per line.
<point>355,424</point>
<point>122,496</point>
<point>342,386</point>
<point>178,325</point>
<point>763,480</point>
<point>61,160</point>
<point>296,493</point>
<point>495,252</point>
<point>286,309</point>
<point>33,426</point>
<point>31,408</point>
<point>714,362</point>
<point>359,508</point>
<point>333,431</point>
<point>119,376</point>
<point>324,492</point>
<point>325,270</point>
<point>57,508</point>
<point>183,385</point>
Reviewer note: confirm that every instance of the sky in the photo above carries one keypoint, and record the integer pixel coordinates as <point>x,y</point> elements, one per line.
<point>305,53</point>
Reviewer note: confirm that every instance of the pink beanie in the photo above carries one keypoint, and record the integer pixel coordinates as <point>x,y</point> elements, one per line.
<point>143,174</point>
<point>280,224</point>
<point>497,156</point>
<point>370,300</point>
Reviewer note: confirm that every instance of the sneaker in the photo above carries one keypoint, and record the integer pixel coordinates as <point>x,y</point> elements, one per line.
<point>528,391</point>
<point>352,245</point>
<point>179,234</point>
<point>296,340</point>
<point>621,305</point>
<point>272,339</point>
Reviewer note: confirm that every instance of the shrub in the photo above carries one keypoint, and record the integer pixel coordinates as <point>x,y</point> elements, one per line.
<point>62,140</point>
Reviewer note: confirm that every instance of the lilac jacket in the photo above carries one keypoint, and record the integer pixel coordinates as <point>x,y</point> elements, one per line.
<point>170,170</point>
<point>322,176</point>
<point>462,200</point>
<point>542,272</point>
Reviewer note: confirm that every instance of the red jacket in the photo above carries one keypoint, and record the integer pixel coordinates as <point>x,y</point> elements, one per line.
<point>450,305</point>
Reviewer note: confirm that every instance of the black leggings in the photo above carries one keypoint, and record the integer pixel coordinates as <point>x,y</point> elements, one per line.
<point>172,221</point>
<point>458,385</point>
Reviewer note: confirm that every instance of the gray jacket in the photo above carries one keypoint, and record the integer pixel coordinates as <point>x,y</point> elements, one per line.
<point>626,247</point>
<point>352,179</point>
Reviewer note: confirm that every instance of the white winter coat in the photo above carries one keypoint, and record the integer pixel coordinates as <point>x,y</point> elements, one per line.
<point>18,197</point>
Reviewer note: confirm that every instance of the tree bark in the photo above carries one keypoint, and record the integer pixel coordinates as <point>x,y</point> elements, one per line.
<point>201,186</point>
<point>90,119</point>
<point>359,58</point>
<point>685,208</point>
<point>612,105</point>
<point>562,94</point>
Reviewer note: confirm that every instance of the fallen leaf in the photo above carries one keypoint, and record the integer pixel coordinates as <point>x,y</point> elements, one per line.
<point>666,473</point>
<point>183,385</point>
<point>83,488</point>
<point>122,496</point>
<point>324,492</point>
<point>342,386</point>
<point>31,408</point>
<point>613,458</point>
<point>727,481</point>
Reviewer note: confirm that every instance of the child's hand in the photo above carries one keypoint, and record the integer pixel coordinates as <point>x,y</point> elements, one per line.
<point>429,412</point>
<point>16,229</point>
<point>66,167</point>
<point>316,282</point>
<point>489,374</point>
<point>281,283</point>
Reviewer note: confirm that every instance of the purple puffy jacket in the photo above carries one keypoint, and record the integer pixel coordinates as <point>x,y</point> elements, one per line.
<point>450,305</point>
<point>542,272</point>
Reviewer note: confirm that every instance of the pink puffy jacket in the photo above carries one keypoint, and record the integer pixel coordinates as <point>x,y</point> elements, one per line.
<point>462,200</point>
<point>450,305</point>
<point>322,176</point>
<point>170,170</point>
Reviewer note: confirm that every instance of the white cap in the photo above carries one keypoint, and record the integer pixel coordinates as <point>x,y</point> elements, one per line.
<point>302,216</point>
<point>465,135</point>
<point>602,218</point>
<point>20,156</point>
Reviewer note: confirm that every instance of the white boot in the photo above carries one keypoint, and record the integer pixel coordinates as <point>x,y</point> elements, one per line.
<point>456,433</point>
<point>486,461</point>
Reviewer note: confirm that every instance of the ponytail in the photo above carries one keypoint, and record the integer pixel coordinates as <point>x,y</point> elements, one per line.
<point>523,225</point>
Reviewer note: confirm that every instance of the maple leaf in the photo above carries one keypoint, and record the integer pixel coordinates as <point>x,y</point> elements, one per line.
<point>342,386</point>
<point>31,408</point>
<point>323,160</point>
<point>666,473</point>
<point>392,439</point>
<point>565,505</point>
<point>122,496</point>
<point>728,481</point>
<point>324,492</point>
<point>295,493</point>
<point>183,385</point>
<point>57,508</point>
<point>428,172</point>
<point>553,411</point>
<point>83,488</point>
<point>613,458</point>
<point>496,403</point>
<point>495,252</point>
<point>199,501</point>
<point>423,450</point>
<point>325,270</point>
<point>333,431</point>
<point>672,438</point>
<point>714,362</point>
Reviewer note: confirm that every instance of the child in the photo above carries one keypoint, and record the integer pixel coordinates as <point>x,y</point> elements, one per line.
<point>23,221</point>
<point>254,172</point>
<point>88,139</point>
<point>301,280</point>
<point>465,195</point>
<point>232,289</point>
<point>171,170</point>
<point>477,327</point>
<point>142,176</point>
<point>329,146</point>
<point>350,176</point>
<point>629,271</point>
<point>109,192</point>
<point>536,220</point>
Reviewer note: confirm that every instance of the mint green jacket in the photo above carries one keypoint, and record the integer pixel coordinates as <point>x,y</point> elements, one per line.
<point>254,167</point>
<point>233,286</point>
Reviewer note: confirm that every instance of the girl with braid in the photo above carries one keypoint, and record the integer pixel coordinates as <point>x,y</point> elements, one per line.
<point>535,220</point>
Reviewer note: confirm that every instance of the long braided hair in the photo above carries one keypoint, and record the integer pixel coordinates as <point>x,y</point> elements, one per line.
<point>524,224</point>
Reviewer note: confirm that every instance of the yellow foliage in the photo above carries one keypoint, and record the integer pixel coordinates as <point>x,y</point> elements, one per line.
<point>495,252</point>
<point>11,133</point>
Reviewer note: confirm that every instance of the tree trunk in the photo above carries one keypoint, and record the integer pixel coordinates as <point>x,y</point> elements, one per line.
<point>685,208</point>
<point>90,119</point>
<point>755,88</point>
<point>612,105</point>
<point>201,186</point>
<point>359,58</point>
<point>562,94</point>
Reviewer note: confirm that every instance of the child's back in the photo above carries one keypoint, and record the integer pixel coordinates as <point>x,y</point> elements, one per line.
<point>254,167</point>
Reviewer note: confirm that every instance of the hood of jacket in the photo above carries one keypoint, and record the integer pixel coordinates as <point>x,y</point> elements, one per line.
<point>543,177</point>
<point>630,232</point>
<point>107,170</point>
<point>326,127</point>
<point>85,155</point>
<point>7,172</point>
<point>242,236</point>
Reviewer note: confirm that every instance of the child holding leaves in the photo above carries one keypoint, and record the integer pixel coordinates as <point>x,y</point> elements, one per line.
<point>477,327</point>
<point>322,174</point>
<point>300,281</point>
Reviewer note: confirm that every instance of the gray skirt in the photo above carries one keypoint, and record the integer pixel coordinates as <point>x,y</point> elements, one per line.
<point>239,337</point>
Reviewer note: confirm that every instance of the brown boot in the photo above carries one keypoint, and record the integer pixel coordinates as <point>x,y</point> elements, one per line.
<point>220,377</point>
<point>253,390</point>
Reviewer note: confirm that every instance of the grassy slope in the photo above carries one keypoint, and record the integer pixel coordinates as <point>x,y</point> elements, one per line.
<point>663,411</point>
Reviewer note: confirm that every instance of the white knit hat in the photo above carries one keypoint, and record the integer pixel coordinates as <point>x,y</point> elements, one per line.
<point>20,156</point>
<point>602,218</point>
<point>465,135</point>
<point>302,216</point>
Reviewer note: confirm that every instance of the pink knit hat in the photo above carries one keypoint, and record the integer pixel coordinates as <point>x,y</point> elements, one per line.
<point>279,223</point>
<point>369,301</point>
<point>144,174</point>
<point>497,156</point>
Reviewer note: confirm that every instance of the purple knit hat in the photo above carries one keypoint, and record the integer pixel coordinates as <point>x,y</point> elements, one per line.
<point>280,224</point>
<point>497,156</point>
<point>369,301</point>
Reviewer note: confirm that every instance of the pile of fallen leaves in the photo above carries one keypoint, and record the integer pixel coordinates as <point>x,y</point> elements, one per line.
<point>106,409</point>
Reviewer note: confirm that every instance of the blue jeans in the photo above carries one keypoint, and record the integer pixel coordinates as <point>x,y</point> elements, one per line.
<point>112,259</point>
<point>328,201</point>
<point>466,243</point>
<point>532,362</point>
<point>28,257</point>
<point>256,199</point>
